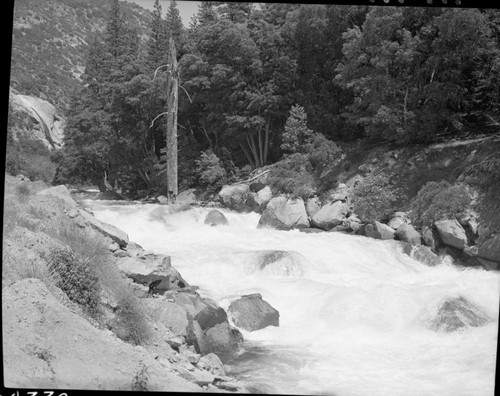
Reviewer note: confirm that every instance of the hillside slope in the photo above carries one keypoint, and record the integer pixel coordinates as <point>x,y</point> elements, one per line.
<point>50,41</point>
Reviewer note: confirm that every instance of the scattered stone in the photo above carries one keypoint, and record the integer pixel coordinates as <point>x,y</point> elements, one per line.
<point>284,214</point>
<point>147,268</point>
<point>457,313</point>
<point>73,213</point>
<point>452,233</point>
<point>162,200</point>
<point>252,313</point>
<point>215,218</point>
<point>329,216</point>
<point>113,247</point>
<point>407,233</point>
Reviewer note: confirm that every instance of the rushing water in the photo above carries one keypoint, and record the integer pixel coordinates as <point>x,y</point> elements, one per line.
<point>354,312</point>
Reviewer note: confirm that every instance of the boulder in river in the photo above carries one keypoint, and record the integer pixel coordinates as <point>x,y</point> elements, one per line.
<point>215,218</point>
<point>252,313</point>
<point>330,215</point>
<point>280,263</point>
<point>223,340</point>
<point>313,205</point>
<point>284,213</point>
<point>452,233</point>
<point>457,313</point>
<point>422,254</point>
<point>379,231</point>
<point>429,237</point>
<point>234,197</point>
<point>406,232</point>
<point>257,201</point>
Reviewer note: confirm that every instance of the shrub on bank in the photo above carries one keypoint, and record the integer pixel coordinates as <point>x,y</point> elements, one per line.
<point>375,197</point>
<point>438,200</point>
<point>131,323</point>
<point>293,176</point>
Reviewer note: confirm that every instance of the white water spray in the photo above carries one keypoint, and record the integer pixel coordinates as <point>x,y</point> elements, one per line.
<point>354,311</point>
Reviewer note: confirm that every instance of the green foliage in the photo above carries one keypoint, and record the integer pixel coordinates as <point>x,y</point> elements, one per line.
<point>210,169</point>
<point>322,152</point>
<point>375,197</point>
<point>296,134</point>
<point>77,278</point>
<point>438,200</point>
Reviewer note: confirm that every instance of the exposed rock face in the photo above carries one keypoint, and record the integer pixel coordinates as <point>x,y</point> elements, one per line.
<point>49,346</point>
<point>235,196</point>
<point>252,313</point>
<point>212,363</point>
<point>457,313</point>
<point>284,214</point>
<point>49,124</point>
<point>490,249</point>
<point>452,233</point>
<point>117,235</point>
<point>329,216</point>
<point>407,233</point>
<point>215,218</point>
<point>379,231</point>
<point>281,263</point>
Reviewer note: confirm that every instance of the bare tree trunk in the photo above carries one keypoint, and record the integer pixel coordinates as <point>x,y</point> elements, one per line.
<point>251,144</point>
<point>248,156</point>
<point>172,103</point>
<point>261,149</point>
<point>405,106</point>
<point>266,140</point>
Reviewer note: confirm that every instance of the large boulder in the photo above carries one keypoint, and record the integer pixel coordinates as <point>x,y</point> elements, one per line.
<point>406,232</point>
<point>422,254</point>
<point>452,233</point>
<point>234,197</point>
<point>457,313</point>
<point>429,237</point>
<point>252,313</point>
<point>396,222</point>
<point>490,249</point>
<point>210,315</point>
<point>223,340</point>
<point>379,231</point>
<point>258,201</point>
<point>284,213</point>
<point>171,315</point>
<point>330,215</point>
<point>187,197</point>
<point>215,218</point>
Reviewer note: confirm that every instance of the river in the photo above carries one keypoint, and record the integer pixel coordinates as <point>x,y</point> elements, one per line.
<point>354,311</point>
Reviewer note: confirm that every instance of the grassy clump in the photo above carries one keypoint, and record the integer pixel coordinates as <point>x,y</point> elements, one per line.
<point>438,200</point>
<point>131,321</point>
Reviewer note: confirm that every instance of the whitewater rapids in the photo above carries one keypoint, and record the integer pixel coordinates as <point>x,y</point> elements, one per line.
<point>354,318</point>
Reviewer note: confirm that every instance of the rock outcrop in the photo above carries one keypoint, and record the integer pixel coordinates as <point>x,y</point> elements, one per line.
<point>490,249</point>
<point>284,213</point>
<point>405,232</point>
<point>379,231</point>
<point>252,313</point>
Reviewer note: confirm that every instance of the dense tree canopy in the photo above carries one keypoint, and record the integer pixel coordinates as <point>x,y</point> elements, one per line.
<point>399,75</point>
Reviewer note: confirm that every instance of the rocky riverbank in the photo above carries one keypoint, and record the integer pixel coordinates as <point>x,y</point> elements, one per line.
<point>129,322</point>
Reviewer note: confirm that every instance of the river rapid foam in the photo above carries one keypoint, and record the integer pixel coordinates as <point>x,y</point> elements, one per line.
<point>354,311</point>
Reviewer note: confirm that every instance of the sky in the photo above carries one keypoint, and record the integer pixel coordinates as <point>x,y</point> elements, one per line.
<point>187,8</point>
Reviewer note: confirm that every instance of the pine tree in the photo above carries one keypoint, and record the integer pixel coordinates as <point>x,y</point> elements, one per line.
<point>175,28</point>
<point>157,43</point>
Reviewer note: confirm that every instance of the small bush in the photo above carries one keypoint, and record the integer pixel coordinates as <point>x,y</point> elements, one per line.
<point>296,133</point>
<point>131,321</point>
<point>375,198</point>
<point>140,381</point>
<point>210,168</point>
<point>293,176</point>
<point>23,190</point>
<point>438,200</point>
<point>76,278</point>
<point>322,152</point>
